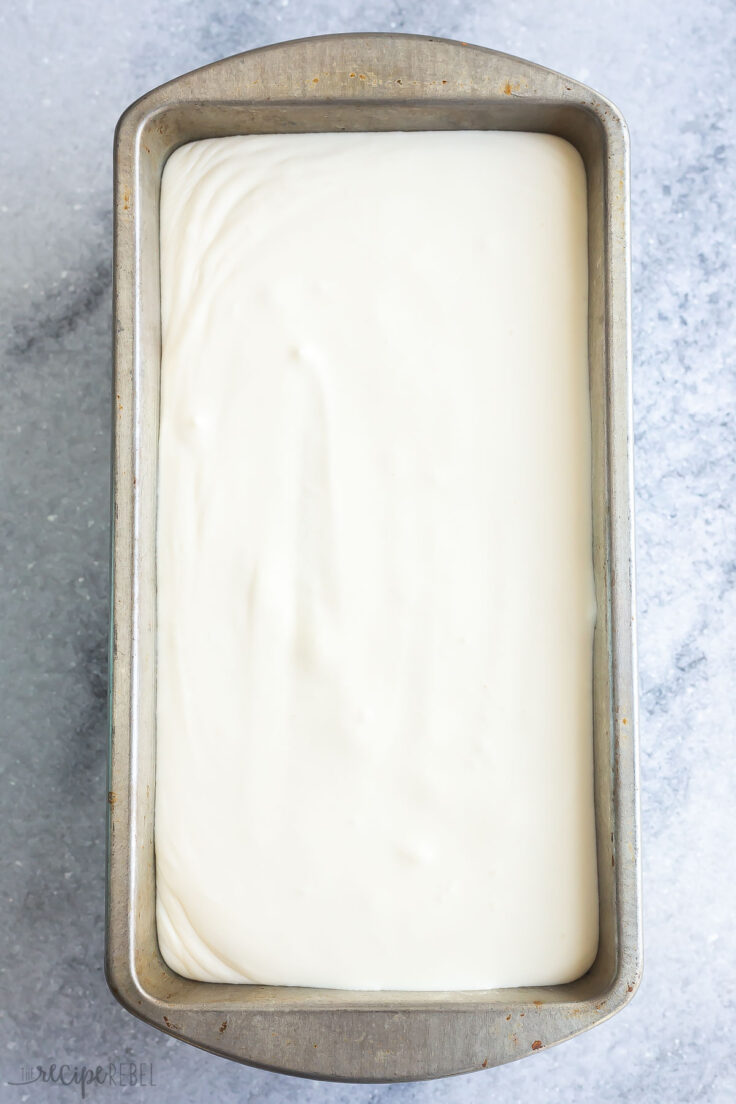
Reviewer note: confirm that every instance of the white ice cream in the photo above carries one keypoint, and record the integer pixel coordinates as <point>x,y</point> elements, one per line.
<point>375,584</point>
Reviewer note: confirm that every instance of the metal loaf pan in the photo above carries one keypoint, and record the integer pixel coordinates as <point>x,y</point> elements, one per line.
<point>362,82</point>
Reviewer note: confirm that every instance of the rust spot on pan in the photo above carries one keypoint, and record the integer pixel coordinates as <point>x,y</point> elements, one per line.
<point>507,88</point>
<point>484,1064</point>
<point>223,1027</point>
<point>536,1045</point>
<point>170,1025</point>
<point>111,797</point>
<point>537,1004</point>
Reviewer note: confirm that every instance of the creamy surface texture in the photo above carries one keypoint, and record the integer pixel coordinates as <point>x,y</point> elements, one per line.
<point>375,583</point>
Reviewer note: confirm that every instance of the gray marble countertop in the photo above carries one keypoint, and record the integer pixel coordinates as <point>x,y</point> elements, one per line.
<point>67,72</point>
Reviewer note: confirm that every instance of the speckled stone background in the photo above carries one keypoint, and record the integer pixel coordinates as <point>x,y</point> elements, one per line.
<point>66,73</point>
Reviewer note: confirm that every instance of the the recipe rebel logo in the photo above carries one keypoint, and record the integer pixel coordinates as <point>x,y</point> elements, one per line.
<point>117,1074</point>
